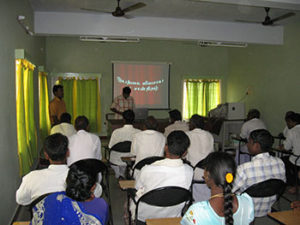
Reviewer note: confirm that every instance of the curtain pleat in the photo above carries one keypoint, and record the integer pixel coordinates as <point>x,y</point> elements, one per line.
<point>44,106</point>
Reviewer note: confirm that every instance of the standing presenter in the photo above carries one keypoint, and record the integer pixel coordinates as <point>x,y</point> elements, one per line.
<point>122,103</point>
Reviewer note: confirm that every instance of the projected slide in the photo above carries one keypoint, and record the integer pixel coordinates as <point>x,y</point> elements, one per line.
<point>149,83</point>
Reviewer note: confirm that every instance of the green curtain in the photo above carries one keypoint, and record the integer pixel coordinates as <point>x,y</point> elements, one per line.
<point>26,131</point>
<point>200,97</point>
<point>82,98</point>
<point>45,124</point>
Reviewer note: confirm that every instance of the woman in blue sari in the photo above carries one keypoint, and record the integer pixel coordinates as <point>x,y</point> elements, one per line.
<point>77,205</point>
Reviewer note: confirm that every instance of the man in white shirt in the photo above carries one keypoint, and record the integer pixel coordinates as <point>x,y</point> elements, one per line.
<point>51,179</point>
<point>83,145</point>
<point>170,171</point>
<point>253,123</point>
<point>176,123</point>
<point>124,133</point>
<point>148,142</point>
<point>64,127</point>
<point>202,143</point>
<point>292,142</point>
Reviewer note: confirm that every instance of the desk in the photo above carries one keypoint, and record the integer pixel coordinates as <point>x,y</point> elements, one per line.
<point>128,159</point>
<point>126,184</point>
<point>164,221</point>
<point>21,223</point>
<point>290,217</point>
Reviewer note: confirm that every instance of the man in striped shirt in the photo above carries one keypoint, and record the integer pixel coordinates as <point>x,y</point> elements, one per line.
<point>122,103</point>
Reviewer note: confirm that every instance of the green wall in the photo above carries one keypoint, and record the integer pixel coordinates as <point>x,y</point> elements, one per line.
<point>272,74</point>
<point>12,37</point>
<point>187,61</point>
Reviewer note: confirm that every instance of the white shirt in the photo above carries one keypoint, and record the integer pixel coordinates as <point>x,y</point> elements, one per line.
<point>147,143</point>
<point>177,125</point>
<point>66,129</point>
<point>162,173</point>
<point>124,133</point>
<point>292,141</point>
<point>84,145</point>
<point>251,125</point>
<point>40,182</point>
<point>202,143</point>
<point>285,131</point>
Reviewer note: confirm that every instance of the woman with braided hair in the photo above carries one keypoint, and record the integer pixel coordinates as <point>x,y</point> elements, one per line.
<point>223,207</point>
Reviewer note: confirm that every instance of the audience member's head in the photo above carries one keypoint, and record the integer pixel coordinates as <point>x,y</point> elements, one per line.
<point>196,121</point>
<point>65,118</point>
<point>58,91</point>
<point>56,147</point>
<point>177,144</point>
<point>260,141</point>
<point>253,113</point>
<point>126,92</point>
<point>128,116</point>
<point>81,182</point>
<point>220,170</point>
<point>288,113</point>
<point>292,119</point>
<point>82,123</point>
<point>151,123</point>
<point>175,115</point>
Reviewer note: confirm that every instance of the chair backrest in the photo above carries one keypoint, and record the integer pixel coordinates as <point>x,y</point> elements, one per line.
<point>164,197</point>
<point>94,165</point>
<point>123,146</point>
<point>266,188</point>
<point>146,161</point>
<point>200,164</point>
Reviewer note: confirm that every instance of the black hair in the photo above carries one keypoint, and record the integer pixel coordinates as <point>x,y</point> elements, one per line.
<point>288,114</point>
<point>197,121</point>
<point>175,115</point>
<point>263,137</point>
<point>81,123</point>
<point>79,181</point>
<point>128,116</point>
<point>65,118</point>
<point>219,164</point>
<point>126,90</point>
<point>56,87</point>
<point>178,142</point>
<point>294,117</point>
<point>151,123</point>
<point>56,146</point>
<point>253,113</point>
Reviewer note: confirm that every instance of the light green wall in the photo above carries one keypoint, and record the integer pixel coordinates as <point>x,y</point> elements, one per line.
<point>273,75</point>
<point>188,61</point>
<point>12,37</point>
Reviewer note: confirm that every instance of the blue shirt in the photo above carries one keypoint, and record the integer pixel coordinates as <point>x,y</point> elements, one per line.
<point>202,213</point>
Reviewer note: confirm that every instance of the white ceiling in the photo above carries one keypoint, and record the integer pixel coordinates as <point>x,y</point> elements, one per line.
<point>168,19</point>
<point>216,10</point>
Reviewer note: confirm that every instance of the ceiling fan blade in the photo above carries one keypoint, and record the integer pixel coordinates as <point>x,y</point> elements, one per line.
<point>247,21</point>
<point>128,16</point>
<point>134,7</point>
<point>287,15</point>
<point>95,10</point>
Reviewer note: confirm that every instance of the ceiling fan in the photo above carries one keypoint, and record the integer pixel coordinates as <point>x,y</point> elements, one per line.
<point>268,21</point>
<point>120,12</point>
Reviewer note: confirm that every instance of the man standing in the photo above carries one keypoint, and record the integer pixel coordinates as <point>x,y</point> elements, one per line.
<point>83,145</point>
<point>57,106</point>
<point>122,103</point>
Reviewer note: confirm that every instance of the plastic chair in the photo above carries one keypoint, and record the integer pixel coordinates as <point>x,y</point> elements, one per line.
<point>146,161</point>
<point>164,197</point>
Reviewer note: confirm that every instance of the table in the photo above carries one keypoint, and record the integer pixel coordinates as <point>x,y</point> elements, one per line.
<point>21,223</point>
<point>290,217</point>
<point>164,221</point>
<point>126,184</point>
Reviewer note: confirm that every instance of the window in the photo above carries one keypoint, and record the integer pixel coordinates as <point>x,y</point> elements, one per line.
<point>26,132</point>
<point>200,96</point>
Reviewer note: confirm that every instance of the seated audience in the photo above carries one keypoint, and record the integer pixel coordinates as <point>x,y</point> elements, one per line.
<point>124,133</point>
<point>149,142</point>
<point>83,144</point>
<point>51,179</point>
<point>170,171</point>
<point>176,123</point>
<point>77,205</point>
<point>202,143</point>
<point>253,123</point>
<point>292,142</point>
<point>223,207</point>
<point>262,167</point>
<point>288,123</point>
<point>64,127</point>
